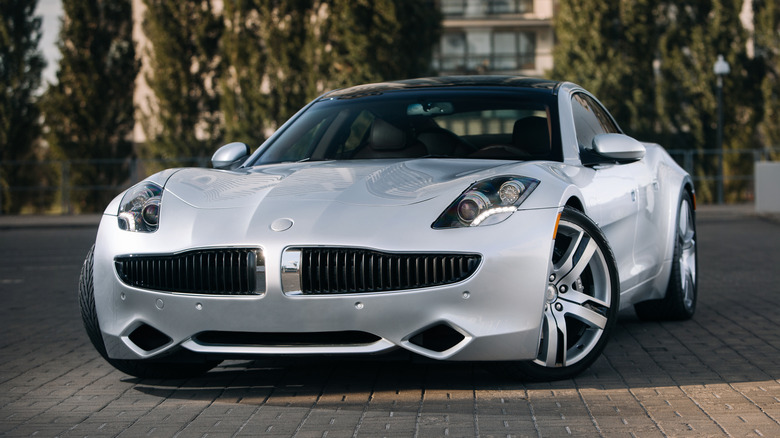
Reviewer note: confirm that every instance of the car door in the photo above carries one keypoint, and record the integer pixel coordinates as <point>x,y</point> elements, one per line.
<point>611,191</point>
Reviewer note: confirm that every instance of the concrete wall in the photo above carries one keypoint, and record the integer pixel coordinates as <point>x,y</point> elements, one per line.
<point>767,187</point>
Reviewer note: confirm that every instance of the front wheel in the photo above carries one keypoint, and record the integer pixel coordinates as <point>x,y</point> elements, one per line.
<point>175,366</point>
<point>581,300</point>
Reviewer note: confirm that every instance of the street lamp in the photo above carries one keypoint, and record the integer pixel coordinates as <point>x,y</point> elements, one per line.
<point>720,68</point>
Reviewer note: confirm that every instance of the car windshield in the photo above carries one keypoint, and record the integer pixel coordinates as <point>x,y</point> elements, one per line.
<point>484,125</point>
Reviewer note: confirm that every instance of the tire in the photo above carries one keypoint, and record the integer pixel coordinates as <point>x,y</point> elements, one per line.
<point>174,366</point>
<point>581,301</point>
<point>681,294</point>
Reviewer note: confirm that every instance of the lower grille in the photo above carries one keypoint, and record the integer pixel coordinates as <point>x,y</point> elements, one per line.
<point>350,270</point>
<point>286,339</point>
<point>224,271</point>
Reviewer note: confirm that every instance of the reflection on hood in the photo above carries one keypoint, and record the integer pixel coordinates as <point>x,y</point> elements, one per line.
<point>377,182</point>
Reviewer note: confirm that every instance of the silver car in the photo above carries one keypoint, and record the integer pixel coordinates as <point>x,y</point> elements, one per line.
<point>461,218</point>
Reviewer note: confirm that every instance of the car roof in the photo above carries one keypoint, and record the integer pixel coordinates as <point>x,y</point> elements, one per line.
<point>517,82</point>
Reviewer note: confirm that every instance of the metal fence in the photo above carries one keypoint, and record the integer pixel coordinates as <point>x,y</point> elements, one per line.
<point>51,186</point>
<point>738,178</point>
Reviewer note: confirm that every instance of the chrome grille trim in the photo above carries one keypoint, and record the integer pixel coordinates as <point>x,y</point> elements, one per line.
<point>217,271</point>
<point>327,271</point>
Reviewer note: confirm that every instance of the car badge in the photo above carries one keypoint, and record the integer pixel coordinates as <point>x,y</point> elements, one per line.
<point>282,224</point>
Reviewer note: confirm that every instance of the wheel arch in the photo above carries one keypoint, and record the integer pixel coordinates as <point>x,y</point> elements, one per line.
<point>575,203</point>
<point>675,183</point>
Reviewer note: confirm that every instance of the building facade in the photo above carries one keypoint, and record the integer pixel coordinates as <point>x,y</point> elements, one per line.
<point>496,37</point>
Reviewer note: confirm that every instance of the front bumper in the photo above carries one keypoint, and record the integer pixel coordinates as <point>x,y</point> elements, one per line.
<point>495,314</point>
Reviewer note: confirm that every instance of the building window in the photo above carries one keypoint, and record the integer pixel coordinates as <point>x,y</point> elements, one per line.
<point>499,51</point>
<point>452,52</point>
<point>513,51</point>
<point>453,7</point>
<point>510,6</point>
<point>486,7</point>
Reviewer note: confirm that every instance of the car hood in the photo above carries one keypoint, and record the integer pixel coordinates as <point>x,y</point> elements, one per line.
<point>365,183</point>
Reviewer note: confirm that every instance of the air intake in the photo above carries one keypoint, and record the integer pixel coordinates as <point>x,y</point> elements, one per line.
<point>286,339</point>
<point>148,338</point>
<point>228,271</point>
<point>438,338</point>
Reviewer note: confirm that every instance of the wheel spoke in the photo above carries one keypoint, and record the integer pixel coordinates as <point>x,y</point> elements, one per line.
<point>685,226</point>
<point>579,298</point>
<point>585,314</point>
<point>566,263</point>
<point>553,347</point>
<point>687,261</point>
<point>577,261</point>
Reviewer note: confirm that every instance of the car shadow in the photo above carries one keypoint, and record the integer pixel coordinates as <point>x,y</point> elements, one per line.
<point>639,355</point>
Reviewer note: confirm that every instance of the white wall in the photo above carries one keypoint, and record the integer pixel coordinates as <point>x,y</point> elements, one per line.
<point>767,187</point>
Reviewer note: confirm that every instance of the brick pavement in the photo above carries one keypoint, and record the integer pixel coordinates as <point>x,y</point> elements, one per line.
<point>716,375</point>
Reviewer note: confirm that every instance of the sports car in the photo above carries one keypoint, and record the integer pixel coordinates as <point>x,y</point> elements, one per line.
<point>477,218</point>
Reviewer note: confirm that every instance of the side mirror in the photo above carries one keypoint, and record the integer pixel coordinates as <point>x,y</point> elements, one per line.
<point>230,156</point>
<point>618,147</point>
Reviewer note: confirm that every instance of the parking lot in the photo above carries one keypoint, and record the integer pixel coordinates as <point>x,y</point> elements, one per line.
<point>716,375</point>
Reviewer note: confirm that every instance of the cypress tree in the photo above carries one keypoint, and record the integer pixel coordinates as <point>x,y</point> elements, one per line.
<point>265,77</point>
<point>651,64</point>
<point>184,59</point>
<point>281,53</point>
<point>767,51</point>
<point>21,64</point>
<point>89,111</point>
<point>696,31</point>
<point>375,40</point>
<point>609,48</point>
<point>585,53</point>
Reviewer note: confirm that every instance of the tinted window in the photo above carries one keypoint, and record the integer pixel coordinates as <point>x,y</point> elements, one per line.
<point>590,119</point>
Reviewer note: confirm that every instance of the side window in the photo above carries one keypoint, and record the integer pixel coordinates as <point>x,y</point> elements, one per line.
<point>299,145</point>
<point>590,119</point>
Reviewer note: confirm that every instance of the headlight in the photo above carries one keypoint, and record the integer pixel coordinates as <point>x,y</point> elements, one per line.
<point>470,207</point>
<point>487,202</point>
<point>140,208</point>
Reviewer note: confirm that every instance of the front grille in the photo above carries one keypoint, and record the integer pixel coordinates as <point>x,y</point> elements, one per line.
<point>349,270</point>
<point>224,271</point>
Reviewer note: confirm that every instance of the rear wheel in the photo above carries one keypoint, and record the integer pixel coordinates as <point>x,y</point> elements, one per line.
<point>172,367</point>
<point>581,300</point>
<point>680,300</point>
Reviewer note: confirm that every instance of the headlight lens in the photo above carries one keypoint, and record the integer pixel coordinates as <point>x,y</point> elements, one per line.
<point>140,208</point>
<point>487,202</point>
<point>471,205</point>
<point>510,191</point>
